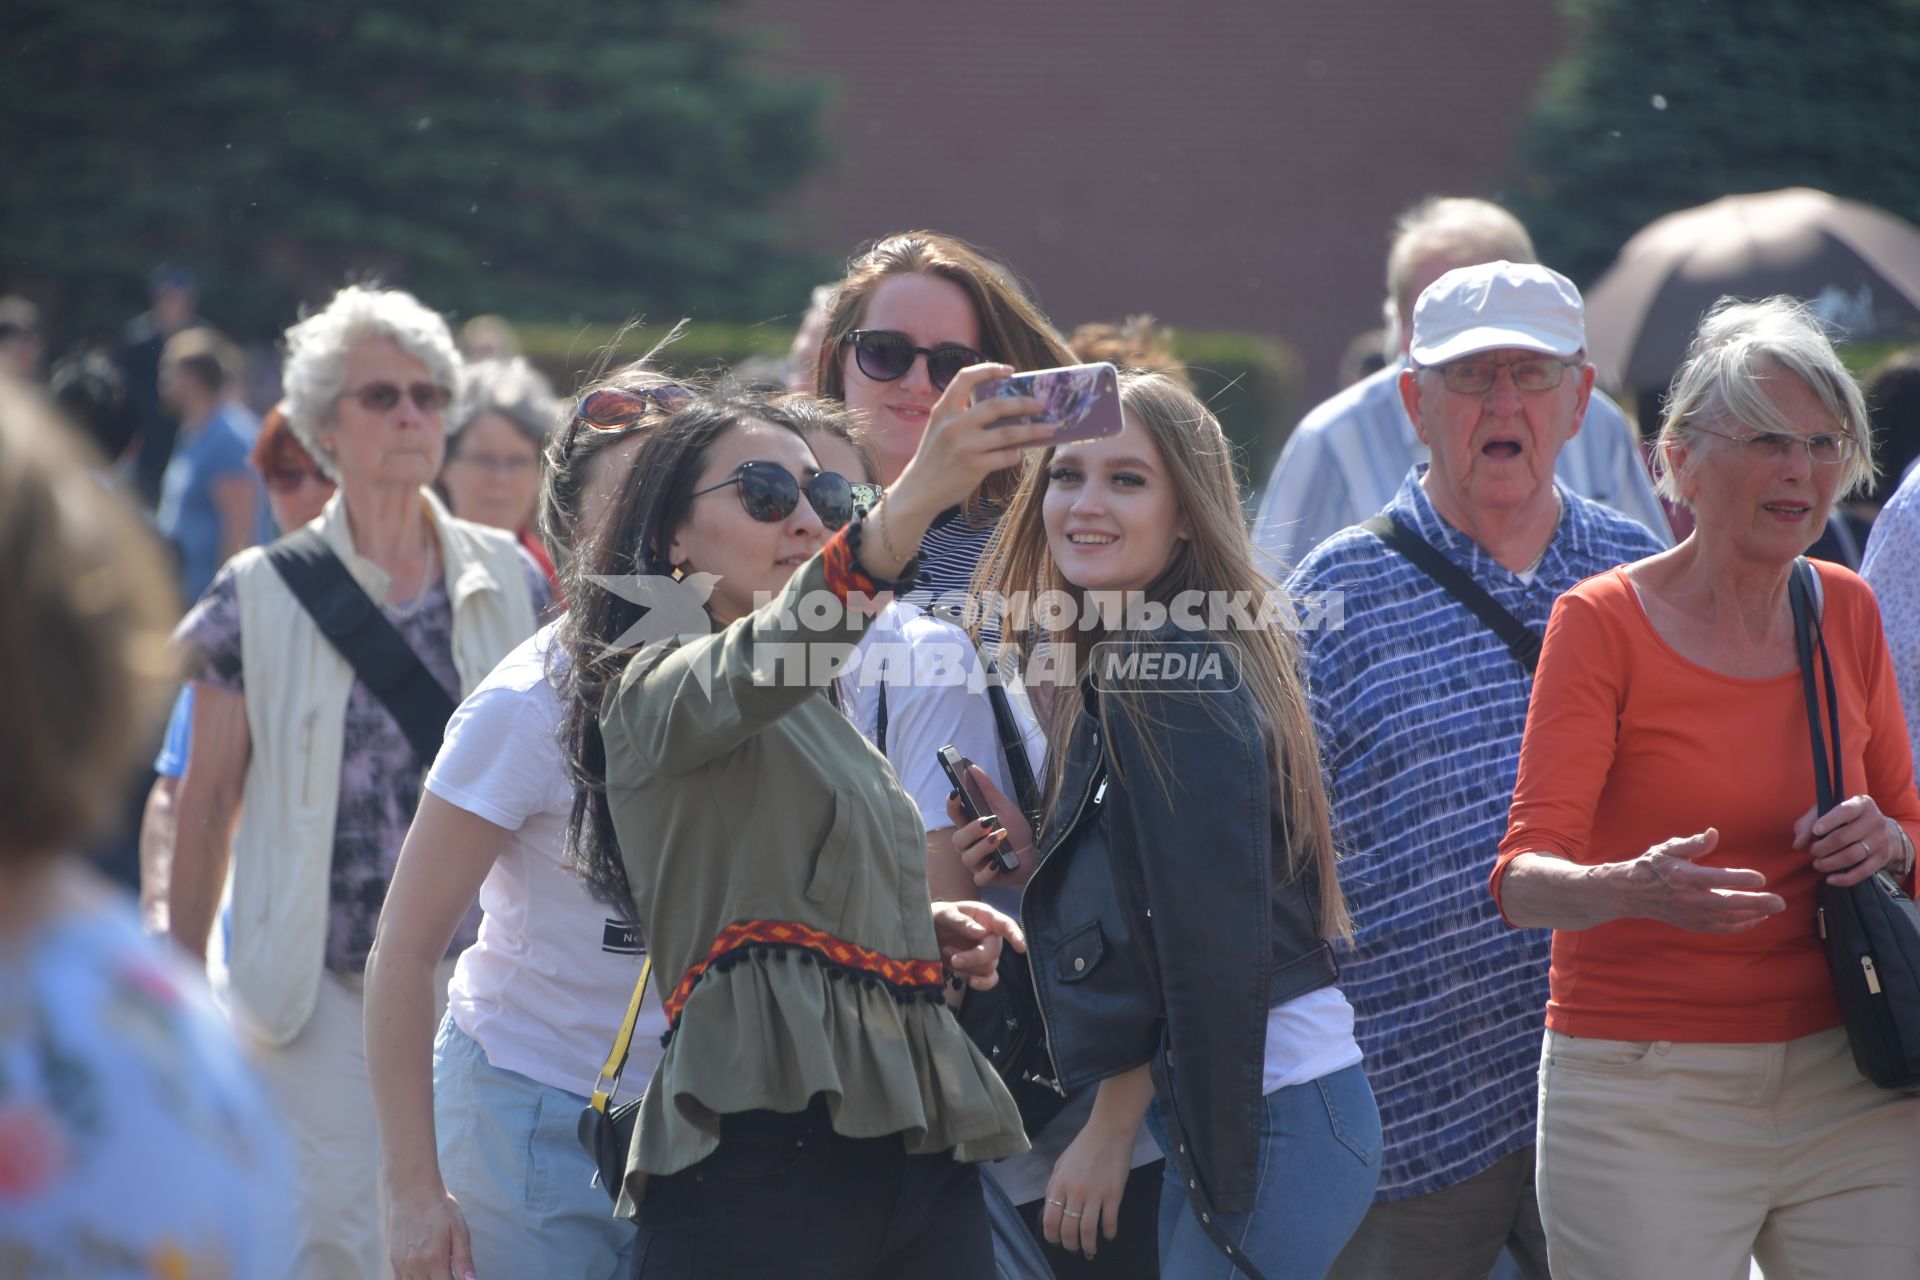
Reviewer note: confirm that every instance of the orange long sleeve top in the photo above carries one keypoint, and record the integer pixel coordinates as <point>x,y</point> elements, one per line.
<point>1629,744</point>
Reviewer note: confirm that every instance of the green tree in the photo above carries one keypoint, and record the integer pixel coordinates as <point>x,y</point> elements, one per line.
<point>591,159</point>
<point>1660,105</point>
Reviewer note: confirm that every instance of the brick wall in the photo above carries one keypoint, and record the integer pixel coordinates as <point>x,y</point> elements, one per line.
<point>1222,163</point>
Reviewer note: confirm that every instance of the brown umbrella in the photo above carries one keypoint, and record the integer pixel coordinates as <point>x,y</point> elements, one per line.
<point>1858,266</point>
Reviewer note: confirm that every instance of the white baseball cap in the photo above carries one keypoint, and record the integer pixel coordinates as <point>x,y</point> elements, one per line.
<point>1494,305</point>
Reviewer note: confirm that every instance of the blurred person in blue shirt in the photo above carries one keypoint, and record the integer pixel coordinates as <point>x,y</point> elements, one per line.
<point>209,498</point>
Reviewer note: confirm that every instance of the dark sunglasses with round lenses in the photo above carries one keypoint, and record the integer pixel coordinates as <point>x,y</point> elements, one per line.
<point>885,356</point>
<point>379,397</point>
<point>617,408</point>
<point>769,492</point>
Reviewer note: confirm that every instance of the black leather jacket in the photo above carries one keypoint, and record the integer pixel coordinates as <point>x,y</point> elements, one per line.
<point>1160,919</point>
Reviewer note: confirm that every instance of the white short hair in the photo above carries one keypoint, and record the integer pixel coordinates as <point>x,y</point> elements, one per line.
<point>1737,345</point>
<point>1465,230</point>
<point>316,373</point>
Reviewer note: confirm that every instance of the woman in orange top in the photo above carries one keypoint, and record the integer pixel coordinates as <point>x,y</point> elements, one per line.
<point>1698,1101</point>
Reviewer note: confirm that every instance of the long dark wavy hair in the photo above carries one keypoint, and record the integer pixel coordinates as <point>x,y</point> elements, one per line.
<point>634,540</point>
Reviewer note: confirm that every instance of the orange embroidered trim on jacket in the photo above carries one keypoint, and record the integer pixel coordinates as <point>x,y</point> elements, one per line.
<point>843,572</point>
<point>905,979</point>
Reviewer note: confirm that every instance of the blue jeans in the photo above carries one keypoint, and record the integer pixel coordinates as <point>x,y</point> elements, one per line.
<point>510,1156</point>
<point>1319,1164</point>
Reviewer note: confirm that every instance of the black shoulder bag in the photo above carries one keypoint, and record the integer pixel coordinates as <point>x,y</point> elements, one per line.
<point>353,624</point>
<point>1522,641</point>
<point>606,1131</point>
<point>1870,930</point>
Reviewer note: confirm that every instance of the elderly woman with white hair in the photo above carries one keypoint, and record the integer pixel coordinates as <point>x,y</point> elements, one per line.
<point>324,670</point>
<point>1698,1100</point>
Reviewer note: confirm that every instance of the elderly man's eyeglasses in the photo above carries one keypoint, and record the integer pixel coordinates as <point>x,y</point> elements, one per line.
<point>1826,447</point>
<point>381,397</point>
<point>1476,377</point>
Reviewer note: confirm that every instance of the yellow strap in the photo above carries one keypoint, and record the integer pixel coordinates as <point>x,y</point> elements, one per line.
<point>617,1060</point>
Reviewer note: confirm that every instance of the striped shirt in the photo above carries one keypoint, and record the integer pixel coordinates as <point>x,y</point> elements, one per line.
<point>1419,711</point>
<point>950,551</point>
<point>1346,459</point>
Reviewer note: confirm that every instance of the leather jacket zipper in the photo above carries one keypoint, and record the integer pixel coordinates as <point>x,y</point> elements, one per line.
<point>1046,1032</point>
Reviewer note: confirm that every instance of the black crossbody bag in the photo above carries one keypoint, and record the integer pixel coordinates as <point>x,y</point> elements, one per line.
<point>1870,930</point>
<point>353,624</point>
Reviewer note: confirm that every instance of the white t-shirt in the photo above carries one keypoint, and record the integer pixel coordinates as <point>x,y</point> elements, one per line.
<point>545,986</point>
<point>936,697</point>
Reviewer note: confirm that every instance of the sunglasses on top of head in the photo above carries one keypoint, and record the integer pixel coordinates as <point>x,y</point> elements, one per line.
<point>885,356</point>
<point>769,492</point>
<point>617,408</point>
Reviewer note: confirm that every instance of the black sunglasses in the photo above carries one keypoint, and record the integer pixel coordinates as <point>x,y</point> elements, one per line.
<point>769,492</point>
<point>885,356</point>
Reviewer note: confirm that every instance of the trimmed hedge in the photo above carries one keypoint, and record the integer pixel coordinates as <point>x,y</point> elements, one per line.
<point>1248,380</point>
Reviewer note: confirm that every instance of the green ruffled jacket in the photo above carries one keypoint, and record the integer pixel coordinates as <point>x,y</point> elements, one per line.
<point>751,814</point>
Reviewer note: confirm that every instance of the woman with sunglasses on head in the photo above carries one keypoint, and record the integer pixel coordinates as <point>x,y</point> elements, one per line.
<point>914,310</point>
<point>1182,892</point>
<point>483,1168</point>
<point>816,1100</point>
<point>301,777</point>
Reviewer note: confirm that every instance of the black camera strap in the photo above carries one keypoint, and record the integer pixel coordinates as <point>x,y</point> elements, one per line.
<point>1522,641</point>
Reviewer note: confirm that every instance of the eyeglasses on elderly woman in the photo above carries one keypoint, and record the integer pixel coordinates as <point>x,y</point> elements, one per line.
<point>1826,447</point>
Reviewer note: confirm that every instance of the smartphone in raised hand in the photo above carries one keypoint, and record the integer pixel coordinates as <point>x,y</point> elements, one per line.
<point>1081,401</point>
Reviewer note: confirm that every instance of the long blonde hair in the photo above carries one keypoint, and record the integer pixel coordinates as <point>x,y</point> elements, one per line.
<point>1215,556</point>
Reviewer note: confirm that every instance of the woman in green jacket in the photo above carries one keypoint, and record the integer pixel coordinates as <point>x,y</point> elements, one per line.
<point>817,1111</point>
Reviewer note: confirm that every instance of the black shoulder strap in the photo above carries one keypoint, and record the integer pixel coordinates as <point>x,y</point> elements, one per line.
<point>376,650</point>
<point>1522,641</point>
<point>1828,782</point>
<point>1013,745</point>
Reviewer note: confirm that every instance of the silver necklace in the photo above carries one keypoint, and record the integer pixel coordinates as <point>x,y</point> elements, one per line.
<point>411,607</point>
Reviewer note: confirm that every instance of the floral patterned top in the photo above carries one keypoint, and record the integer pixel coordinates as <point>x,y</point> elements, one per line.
<point>133,1140</point>
<point>1892,569</point>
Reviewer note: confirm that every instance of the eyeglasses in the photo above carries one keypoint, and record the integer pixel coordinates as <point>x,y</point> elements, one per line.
<point>287,479</point>
<point>617,408</point>
<point>380,397</point>
<point>885,356</point>
<point>769,492</point>
<point>1826,448</point>
<point>1476,377</point>
<point>495,464</point>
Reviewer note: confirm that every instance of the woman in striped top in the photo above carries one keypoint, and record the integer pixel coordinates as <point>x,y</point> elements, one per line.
<point>916,308</point>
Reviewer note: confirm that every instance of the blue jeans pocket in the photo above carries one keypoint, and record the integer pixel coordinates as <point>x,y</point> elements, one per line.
<point>1352,1113</point>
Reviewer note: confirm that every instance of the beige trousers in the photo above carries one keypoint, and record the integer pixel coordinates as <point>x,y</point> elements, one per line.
<point>1672,1161</point>
<point>319,1083</point>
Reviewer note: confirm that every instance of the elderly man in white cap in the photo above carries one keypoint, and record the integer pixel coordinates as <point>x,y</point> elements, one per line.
<point>1344,460</point>
<point>1420,699</point>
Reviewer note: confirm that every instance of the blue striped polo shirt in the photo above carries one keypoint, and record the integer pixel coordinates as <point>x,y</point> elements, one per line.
<point>1419,711</point>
